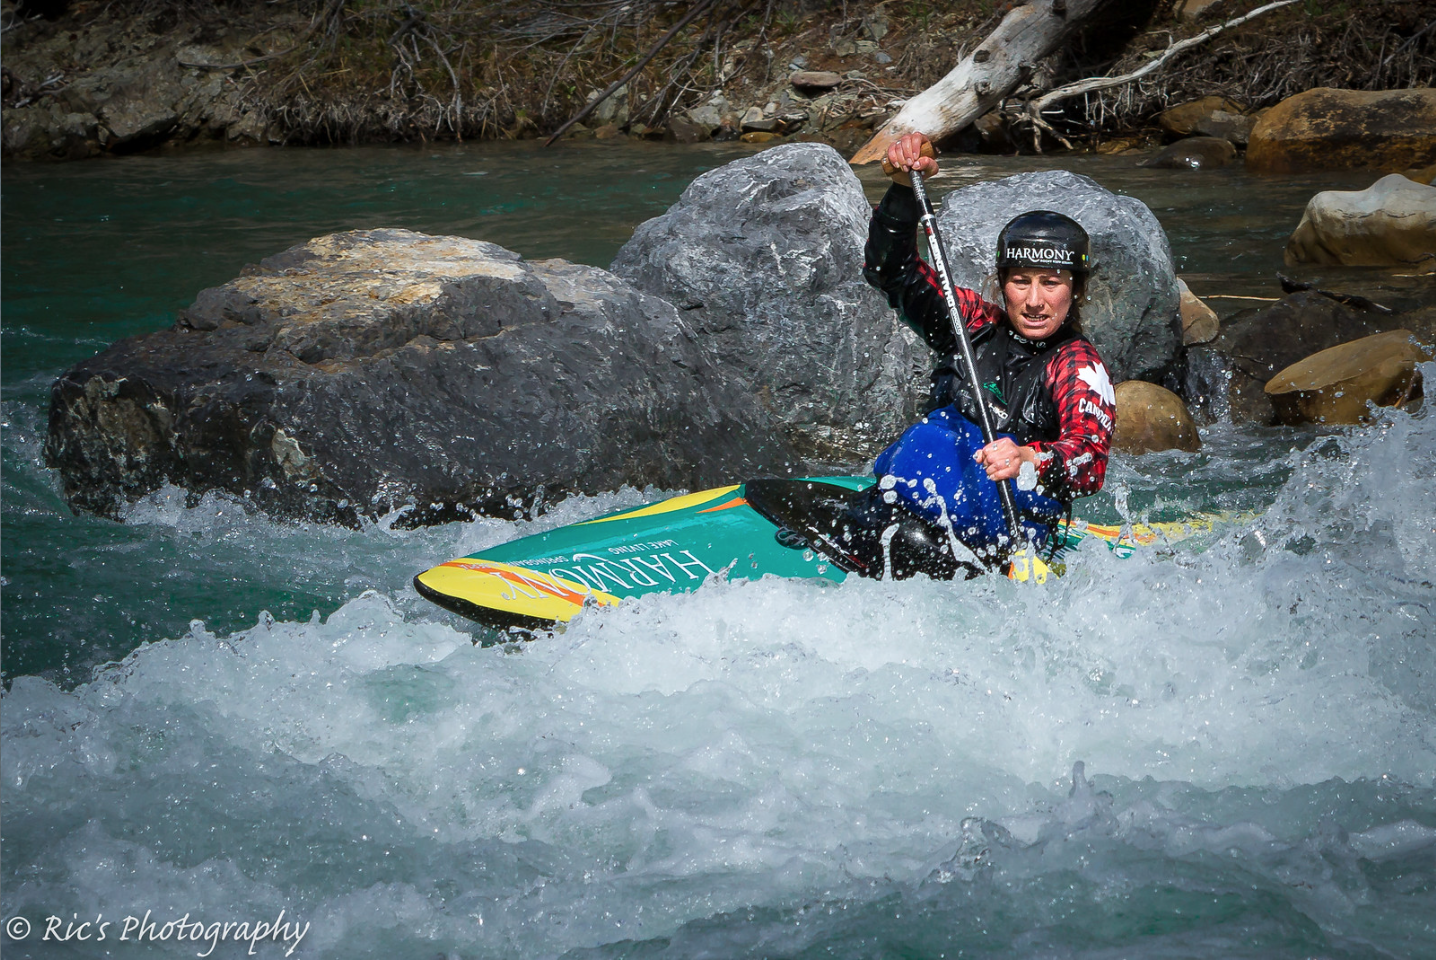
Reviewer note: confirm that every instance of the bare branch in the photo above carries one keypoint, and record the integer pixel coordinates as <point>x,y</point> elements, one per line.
<point>1034,107</point>
<point>688,18</point>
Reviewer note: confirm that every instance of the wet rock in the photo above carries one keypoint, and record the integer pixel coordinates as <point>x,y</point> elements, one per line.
<point>685,131</point>
<point>1152,418</point>
<point>1194,153</point>
<point>1390,223</point>
<point>1183,119</point>
<point>759,136</point>
<point>1199,322</point>
<point>1131,311</point>
<point>1420,320</point>
<point>1233,127</point>
<point>607,131</point>
<point>1335,385</point>
<point>365,371</point>
<point>764,257</point>
<point>1226,378</point>
<point>1327,129</point>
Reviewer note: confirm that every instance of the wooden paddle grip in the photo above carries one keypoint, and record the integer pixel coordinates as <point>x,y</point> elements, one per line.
<point>901,177</point>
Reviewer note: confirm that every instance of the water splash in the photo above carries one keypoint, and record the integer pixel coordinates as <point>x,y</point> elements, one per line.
<point>794,752</point>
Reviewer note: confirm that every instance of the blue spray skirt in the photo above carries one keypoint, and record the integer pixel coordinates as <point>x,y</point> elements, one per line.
<point>932,471</point>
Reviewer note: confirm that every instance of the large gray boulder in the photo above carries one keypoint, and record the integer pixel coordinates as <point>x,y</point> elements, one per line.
<point>1131,313</point>
<point>367,371</point>
<point>764,257</point>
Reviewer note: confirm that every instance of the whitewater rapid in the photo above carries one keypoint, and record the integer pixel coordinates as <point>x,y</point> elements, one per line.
<point>784,768</point>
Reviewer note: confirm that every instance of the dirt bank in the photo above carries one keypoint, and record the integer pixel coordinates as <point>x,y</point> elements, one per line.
<point>92,78</point>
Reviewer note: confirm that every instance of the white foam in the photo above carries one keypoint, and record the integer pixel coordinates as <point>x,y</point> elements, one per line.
<point>758,742</point>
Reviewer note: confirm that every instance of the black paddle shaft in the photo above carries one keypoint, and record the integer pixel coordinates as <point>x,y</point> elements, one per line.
<point>964,345</point>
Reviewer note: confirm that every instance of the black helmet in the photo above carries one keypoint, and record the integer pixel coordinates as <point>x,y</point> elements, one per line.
<point>1041,238</point>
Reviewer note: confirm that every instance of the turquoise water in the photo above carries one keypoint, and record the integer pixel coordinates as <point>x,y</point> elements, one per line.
<point>95,252</point>
<point>768,769</point>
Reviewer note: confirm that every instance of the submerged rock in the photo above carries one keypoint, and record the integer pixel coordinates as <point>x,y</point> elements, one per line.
<point>1131,310</point>
<point>1194,153</point>
<point>1152,418</point>
<point>366,371</point>
<point>1336,384</point>
<point>1390,223</point>
<point>764,257</point>
<point>1327,129</point>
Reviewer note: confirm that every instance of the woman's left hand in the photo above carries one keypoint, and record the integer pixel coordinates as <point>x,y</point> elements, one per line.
<point>1003,458</point>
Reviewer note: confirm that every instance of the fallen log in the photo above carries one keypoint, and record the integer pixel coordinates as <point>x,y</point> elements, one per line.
<point>1004,61</point>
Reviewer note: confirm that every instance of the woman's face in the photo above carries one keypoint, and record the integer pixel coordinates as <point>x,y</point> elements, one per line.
<point>1037,300</point>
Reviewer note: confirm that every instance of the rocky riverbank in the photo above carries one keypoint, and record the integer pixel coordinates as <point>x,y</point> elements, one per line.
<point>88,78</point>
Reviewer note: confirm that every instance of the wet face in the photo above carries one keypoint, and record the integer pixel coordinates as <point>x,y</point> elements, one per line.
<point>1037,300</point>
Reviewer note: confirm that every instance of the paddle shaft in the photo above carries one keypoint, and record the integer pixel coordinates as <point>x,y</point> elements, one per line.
<point>964,345</point>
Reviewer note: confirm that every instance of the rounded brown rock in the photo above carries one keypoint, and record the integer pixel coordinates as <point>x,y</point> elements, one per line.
<point>1337,384</point>
<point>1152,418</point>
<point>1328,129</point>
<point>1184,118</point>
<point>1200,323</point>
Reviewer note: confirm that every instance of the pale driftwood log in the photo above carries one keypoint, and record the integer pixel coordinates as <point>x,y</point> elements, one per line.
<point>1034,108</point>
<point>1001,64</point>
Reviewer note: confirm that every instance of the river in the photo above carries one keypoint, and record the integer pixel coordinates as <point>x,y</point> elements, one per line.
<point>217,716</point>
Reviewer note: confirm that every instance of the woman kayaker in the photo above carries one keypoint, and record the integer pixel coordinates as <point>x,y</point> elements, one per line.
<point>1044,383</point>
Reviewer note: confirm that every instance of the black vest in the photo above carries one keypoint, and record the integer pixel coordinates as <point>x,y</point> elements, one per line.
<point>1010,369</point>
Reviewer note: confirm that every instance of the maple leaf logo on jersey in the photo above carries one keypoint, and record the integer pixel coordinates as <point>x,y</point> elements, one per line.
<point>1095,377</point>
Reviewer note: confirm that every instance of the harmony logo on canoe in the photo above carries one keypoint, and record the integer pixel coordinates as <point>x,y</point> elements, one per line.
<point>533,584</point>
